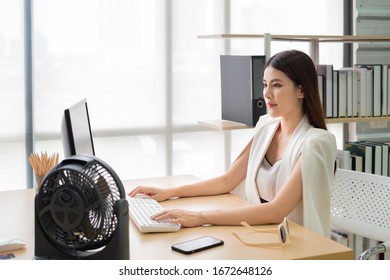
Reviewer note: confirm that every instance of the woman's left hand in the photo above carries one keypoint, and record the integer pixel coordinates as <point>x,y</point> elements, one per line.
<point>182,217</point>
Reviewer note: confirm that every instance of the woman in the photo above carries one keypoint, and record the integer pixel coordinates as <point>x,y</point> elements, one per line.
<point>287,167</point>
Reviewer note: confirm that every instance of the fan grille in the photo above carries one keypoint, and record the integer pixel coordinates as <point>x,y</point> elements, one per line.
<point>76,205</point>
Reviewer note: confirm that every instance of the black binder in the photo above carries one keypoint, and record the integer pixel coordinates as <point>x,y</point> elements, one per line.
<point>242,88</point>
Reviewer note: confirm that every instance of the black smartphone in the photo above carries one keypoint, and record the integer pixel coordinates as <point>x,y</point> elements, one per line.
<point>196,245</point>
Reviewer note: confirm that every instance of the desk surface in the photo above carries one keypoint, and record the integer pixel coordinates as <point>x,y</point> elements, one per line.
<point>17,219</point>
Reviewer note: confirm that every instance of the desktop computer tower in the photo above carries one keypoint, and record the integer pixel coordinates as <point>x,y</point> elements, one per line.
<point>242,88</point>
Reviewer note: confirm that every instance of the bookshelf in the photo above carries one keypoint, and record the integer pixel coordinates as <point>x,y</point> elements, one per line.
<point>349,123</point>
<point>314,41</point>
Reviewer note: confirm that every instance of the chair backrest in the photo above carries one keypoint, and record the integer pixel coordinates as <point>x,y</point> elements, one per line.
<point>360,204</point>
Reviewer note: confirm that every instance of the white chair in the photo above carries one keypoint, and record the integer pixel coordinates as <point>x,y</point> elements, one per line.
<point>360,204</point>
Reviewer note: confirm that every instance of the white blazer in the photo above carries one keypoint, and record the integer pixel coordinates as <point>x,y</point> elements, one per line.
<point>317,147</point>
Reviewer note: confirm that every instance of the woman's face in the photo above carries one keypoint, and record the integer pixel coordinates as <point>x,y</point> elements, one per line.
<point>282,96</point>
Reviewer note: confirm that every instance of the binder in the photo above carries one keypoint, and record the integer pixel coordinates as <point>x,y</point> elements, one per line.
<point>242,88</point>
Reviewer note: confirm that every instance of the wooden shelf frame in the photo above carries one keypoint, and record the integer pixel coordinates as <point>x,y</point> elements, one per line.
<point>230,125</point>
<point>313,40</point>
<point>223,124</point>
<point>357,119</point>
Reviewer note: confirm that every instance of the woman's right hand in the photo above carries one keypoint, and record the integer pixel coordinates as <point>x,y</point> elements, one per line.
<point>152,192</point>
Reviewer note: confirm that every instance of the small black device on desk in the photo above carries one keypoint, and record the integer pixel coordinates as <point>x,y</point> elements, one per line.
<point>196,245</point>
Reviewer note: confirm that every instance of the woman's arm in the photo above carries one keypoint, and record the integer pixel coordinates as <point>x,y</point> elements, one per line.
<point>265,213</point>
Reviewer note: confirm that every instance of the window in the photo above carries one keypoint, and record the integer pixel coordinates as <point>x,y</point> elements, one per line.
<point>12,121</point>
<point>322,17</point>
<point>147,78</point>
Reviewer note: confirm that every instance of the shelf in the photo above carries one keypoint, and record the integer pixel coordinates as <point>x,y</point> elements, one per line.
<point>313,40</point>
<point>223,124</point>
<point>302,38</point>
<point>356,119</point>
<point>230,125</point>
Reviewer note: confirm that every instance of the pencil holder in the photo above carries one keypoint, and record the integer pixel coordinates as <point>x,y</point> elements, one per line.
<point>38,180</point>
<point>41,165</point>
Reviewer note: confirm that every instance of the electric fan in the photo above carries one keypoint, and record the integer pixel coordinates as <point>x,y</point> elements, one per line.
<point>81,212</point>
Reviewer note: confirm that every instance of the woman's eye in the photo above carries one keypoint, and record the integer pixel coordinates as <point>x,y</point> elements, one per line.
<point>277,85</point>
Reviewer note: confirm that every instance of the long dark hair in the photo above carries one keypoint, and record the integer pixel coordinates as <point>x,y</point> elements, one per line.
<point>299,67</point>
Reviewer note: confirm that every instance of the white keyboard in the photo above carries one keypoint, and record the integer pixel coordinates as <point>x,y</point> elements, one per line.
<point>140,211</point>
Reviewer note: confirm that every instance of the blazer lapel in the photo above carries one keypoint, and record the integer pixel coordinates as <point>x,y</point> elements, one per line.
<point>260,144</point>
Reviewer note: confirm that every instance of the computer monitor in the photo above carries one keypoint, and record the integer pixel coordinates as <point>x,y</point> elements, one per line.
<point>76,130</point>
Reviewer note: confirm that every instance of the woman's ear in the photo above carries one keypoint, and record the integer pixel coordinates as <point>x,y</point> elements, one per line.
<point>301,93</point>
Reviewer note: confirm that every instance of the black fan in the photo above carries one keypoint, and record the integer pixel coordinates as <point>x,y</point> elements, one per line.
<point>81,212</point>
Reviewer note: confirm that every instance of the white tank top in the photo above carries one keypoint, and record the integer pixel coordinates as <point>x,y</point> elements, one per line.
<point>266,179</point>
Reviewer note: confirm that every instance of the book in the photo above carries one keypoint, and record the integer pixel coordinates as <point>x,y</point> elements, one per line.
<point>342,93</point>
<point>376,90</point>
<point>384,85</point>
<point>388,163</point>
<point>381,157</point>
<point>321,89</point>
<point>349,90</point>
<point>388,91</point>
<point>339,237</point>
<point>343,159</point>
<point>376,87</point>
<point>376,156</point>
<point>365,151</point>
<point>385,159</point>
<point>369,93</point>
<point>326,71</point>
<point>361,86</point>
<point>357,83</point>
<point>335,93</point>
<point>357,163</point>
